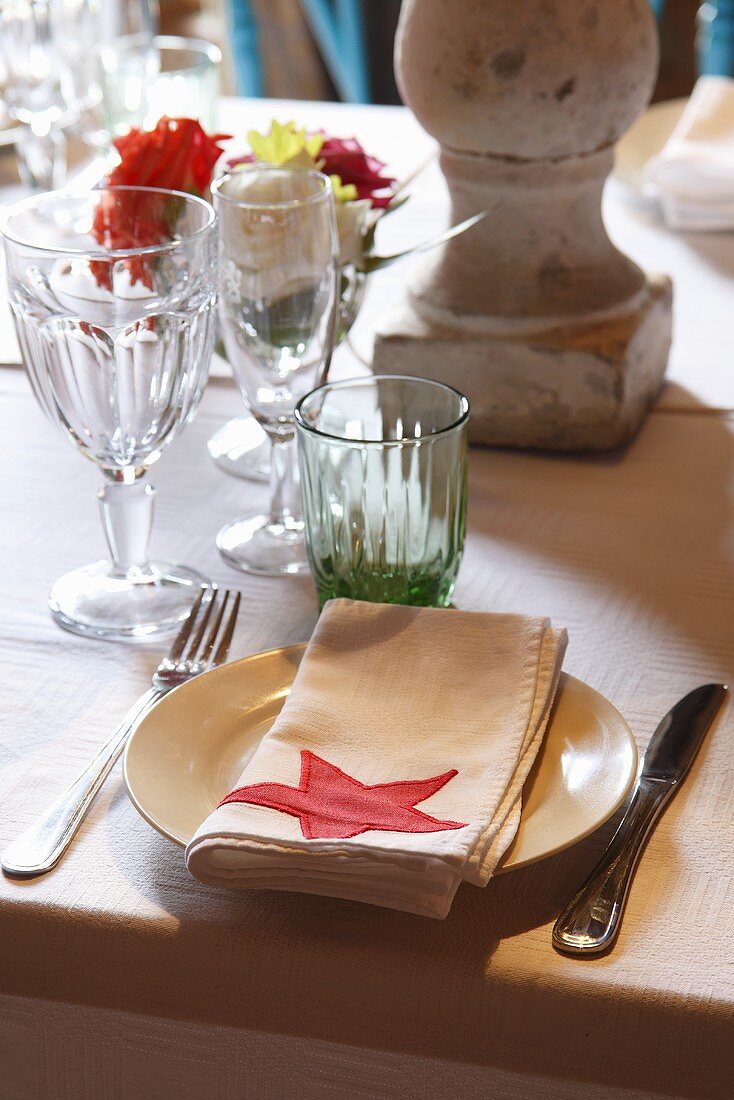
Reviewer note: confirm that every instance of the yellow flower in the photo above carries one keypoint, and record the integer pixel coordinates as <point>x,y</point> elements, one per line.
<point>343,192</point>
<point>286,144</point>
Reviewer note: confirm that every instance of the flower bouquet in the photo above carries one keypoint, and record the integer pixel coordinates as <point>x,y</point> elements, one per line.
<point>177,154</point>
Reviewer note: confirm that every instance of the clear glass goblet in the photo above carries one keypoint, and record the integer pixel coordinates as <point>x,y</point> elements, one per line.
<point>113,295</point>
<point>240,447</point>
<point>278,295</point>
<point>46,49</point>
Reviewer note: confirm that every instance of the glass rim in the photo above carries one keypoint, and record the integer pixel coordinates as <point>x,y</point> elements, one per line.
<point>109,253</point>
<point>375,379</point>
<point>211,53</point>
<point>283,204</point>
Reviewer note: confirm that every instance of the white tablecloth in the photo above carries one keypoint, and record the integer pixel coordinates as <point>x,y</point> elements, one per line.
<point>121,976</point>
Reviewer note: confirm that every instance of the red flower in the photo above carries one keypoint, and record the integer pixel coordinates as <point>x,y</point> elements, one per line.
<point>178,156</point>
<point>128,220</point>
<point>345,157</point>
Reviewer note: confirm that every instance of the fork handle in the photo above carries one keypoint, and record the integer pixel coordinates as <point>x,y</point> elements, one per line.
<point>42,845</point>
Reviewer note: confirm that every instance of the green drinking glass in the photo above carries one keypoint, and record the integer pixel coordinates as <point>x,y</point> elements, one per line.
<point>384,485</point>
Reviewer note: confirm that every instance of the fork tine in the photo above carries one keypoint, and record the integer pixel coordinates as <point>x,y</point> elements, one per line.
<point>214,631</point>
<point>186,627</point>
<point>223,648</point>
<point>193,647</point>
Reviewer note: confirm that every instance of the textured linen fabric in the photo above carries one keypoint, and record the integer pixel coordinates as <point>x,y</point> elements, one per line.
<point>70,1052</point>
<point>390,694</point>
<point>694,174</point>
<point>634,552</point>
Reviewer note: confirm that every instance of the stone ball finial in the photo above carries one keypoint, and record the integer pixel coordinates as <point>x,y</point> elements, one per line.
<point>534,79</point>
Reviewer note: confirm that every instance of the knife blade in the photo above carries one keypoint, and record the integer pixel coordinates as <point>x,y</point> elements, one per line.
<point>590,923</point>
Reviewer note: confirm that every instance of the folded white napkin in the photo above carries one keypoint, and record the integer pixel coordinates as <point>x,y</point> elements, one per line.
<point>693,176</point>
<point>395,769</point>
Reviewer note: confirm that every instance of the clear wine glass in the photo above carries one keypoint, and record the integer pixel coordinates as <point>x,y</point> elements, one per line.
<point>240,447</point>
<point>278,295</point>
<point>47,53</point>
<point>113,295</point>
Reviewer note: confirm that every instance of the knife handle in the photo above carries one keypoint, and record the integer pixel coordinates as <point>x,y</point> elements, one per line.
<point>590,923</point>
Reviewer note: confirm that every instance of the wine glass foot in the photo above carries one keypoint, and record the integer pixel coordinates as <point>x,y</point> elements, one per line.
<point>96,601</point>
<point>241,448</point>
<point>257,545</point>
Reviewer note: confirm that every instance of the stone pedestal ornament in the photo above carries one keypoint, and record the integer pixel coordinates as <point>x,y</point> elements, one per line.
<point>558,339</point>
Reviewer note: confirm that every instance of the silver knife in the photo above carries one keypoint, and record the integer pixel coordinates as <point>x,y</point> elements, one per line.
<point>590,923</point>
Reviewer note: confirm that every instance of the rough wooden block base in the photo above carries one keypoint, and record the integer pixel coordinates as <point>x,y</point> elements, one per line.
<point>568,388</point>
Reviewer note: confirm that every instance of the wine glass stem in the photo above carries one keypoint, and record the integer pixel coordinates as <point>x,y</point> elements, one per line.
<point>42,158</point>
<point>285,500</point>
<point>127,518</point>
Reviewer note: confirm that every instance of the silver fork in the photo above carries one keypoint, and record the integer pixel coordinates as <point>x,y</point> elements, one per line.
<point>198,647</point>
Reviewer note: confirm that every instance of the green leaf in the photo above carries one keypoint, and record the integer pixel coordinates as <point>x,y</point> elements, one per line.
<point>368,239</point>
<point>377,263</point>
<point>394,205</point>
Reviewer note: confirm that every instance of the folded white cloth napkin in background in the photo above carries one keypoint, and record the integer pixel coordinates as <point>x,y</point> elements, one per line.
<point>395,769</point>
<point>693,176</point>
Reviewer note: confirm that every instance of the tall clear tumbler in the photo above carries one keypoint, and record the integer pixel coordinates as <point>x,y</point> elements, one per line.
<point>142,79</point>
<point>113,295</point>
<point>278,266</point>
<point>384,483</point>
<point>49,77</point>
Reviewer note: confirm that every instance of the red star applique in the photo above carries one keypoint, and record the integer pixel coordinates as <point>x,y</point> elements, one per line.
<point>330,803</point>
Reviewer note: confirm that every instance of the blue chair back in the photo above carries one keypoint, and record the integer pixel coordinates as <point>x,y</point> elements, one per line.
<point>245,49</point>
<point>715,39</point>
<point>338,28</point>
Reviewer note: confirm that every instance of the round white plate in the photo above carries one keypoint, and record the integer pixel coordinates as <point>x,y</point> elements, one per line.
<point>644,140</point>
<point>190,751</point>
